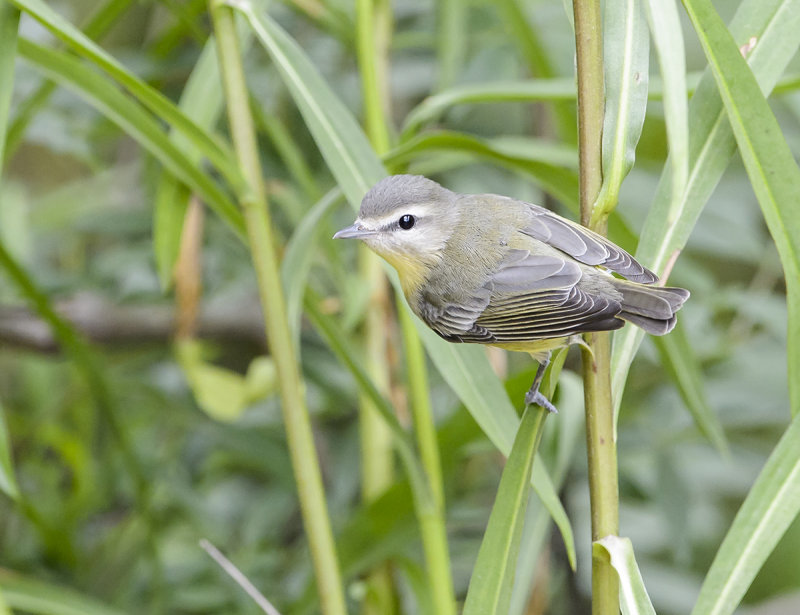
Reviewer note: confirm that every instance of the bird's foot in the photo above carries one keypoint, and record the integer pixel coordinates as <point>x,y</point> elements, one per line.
<point>536,397</point>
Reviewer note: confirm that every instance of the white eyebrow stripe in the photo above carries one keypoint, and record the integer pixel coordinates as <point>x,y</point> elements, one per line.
<point>418,210</point>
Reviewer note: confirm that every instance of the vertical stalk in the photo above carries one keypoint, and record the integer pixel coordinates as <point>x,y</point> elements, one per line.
<point>451,17</point>
<point>431,513</point>
<point>373,31</point>
<point>421,409</point>
<point>600,442</point>
<point>262,246</point>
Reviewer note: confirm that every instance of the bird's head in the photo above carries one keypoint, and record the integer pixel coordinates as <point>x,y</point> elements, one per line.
<point>406,219</point>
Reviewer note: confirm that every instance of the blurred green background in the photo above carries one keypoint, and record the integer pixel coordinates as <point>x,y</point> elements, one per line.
<point>77,212</point>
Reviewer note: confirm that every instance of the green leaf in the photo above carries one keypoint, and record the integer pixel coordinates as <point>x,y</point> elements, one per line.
<point>451,44</point>
<point>215,150</point>
<point>557,89</point>
<point>430,109</point>
<point>298,257</point>
<point>201,101</point>
<point>8,481</point>
<point>337,134</point>
<point>484,396</point>
<point>33,596</point>
<point>665,29</point>
<point>770,507</point>
<point>131,118</point>
<point>357,168</point>
<point>9,24</point>
<point>493,575</point>
<point>99,23</point>
<point>771,167</point>
<point>538,524</point>
<point>221,393</point>
<point>680,360</point>
<point>633,595</point>
<point>550,166</point>
<point>626,61</point>
<point>774,24</point>
<point>534,53</point>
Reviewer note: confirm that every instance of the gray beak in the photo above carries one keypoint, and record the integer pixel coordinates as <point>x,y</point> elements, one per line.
<point>354,231</point>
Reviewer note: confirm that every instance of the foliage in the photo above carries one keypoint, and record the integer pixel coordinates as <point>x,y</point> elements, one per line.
<point>126,439</point>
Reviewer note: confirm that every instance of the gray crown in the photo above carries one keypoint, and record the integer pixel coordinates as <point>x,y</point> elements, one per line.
<point>392,192</point>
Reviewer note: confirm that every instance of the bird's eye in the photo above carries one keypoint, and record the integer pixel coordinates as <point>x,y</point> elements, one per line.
<point>406,221</point>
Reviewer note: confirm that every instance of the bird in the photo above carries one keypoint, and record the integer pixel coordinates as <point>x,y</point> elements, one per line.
<point>493,270</point>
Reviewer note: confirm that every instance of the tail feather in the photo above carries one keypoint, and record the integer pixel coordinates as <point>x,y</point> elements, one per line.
<point>650,307</point>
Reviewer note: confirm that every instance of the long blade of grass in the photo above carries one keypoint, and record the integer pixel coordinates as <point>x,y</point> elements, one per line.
<point>201,101</point>
<point>550,166</point>
<point>298,257</point>
<point>774,24</point>
<point>34,596</point>
<point>633,595</point>
<point>99,23</point>
<point>771,167</point>
<point>9,24</point>
<point>492,579</point>
<point>356,168</point>
<point>338,136</point>
<point>8,480</point>
<point>770,507</point>
<point>534,55</point>
<point>626,63</point>
<point>451,44</point>
<point>533,90</point>
<point>131,118</point>
<point>218,153</point>
<point>479,390</point>
<point>665,30</point>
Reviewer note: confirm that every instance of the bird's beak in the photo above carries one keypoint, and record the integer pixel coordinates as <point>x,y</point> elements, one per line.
<point>354,231</point>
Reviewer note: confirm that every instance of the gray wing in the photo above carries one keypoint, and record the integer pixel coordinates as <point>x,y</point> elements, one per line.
<point>529,297</point>
<point>584,245</point>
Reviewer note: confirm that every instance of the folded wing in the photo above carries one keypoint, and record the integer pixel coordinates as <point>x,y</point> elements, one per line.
<point>529,297</point>
<point>584,245</point>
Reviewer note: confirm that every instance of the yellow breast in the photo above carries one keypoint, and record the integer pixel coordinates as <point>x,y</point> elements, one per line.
<point>412,272</point>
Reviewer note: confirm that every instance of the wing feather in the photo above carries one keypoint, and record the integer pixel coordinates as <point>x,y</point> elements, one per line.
<point>584,245</point>
<point>530,297</point>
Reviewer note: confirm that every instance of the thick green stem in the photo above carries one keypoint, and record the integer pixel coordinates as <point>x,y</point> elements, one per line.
<point>600,443</point>
<point>262,245</point>
<point>602,459</point>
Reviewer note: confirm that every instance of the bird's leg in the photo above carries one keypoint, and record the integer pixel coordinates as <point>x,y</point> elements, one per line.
<point>534,395</point>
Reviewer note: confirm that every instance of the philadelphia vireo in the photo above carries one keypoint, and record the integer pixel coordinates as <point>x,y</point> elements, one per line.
<point>489,269</point>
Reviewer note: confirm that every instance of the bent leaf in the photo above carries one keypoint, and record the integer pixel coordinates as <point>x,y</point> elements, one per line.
<point>632,593</point>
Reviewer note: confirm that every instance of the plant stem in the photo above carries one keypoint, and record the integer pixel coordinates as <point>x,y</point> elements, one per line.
<point>600,442</point>
<point>373,19</point>
<point>421,409</point>
<point>432,515</point>
<point>262,245</point>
